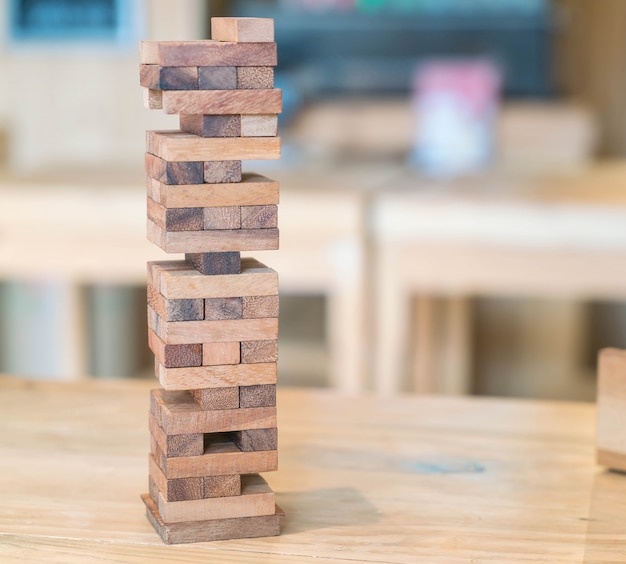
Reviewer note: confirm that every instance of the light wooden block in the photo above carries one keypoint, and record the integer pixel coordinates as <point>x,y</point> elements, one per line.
<point>215,263</point>
<point>255,307</point>
<point>203,53</point>
<point>177,146</point>
<point>258,217</point>
<point>174,173</point>
<point>219,376</point>
<point>253,190</point>
<point>216,354</point>
<point>254,440</point>
<point>216,309</point>
<point>259,351</point>
<point>211,126</point>
<point>155,77</point>
<point>220,172</point>
<point>243,30</point>
<point>191,444</point>
<point>255,78</point>
<point>225,217</point>
<point>221,102</point>
<point>611,399</point>
<point>206,531</point>
<point>259,126</point>
<point>217,398</point>
<point>175,356</point>
<point>261,395</point>
<point>176,219</point>
<point>179,413</point>
<point>213,241</point>
<point>152,99</point>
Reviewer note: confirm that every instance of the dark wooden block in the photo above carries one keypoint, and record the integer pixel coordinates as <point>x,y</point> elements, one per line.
<point>259,217</point>
<point>217,78</point>
<point>253,352</point>
<point>262,395</point>
<point>221,486</point>
<point>256,307</point>
<point>175,309</point>
<point>184,219</point>
<point>217,172</point>
<point>223,217</point>
<point>217,398</point>
<point>253,78</point>
<point>170,446</point>
<point>211,126</point>
<point>156,77</point>
<point>174,172</point>
<point>256,439</point>
<point>215,263</point>
<point>223,308</point>
<point>175,356</point>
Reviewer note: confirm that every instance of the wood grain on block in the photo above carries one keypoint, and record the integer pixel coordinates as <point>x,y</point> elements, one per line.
<point>255,78</point>
<point>181,414</point>
<point>227,375</point>
<point>255,307</point>
<point>174,173</point>
<point>263,395</point>
<point>224,240</point>
<point>256,499</point>
<point>223,331</point>
<point>175,356</point>
<point>177,146</point>
<point>221,172</point>
<point>259,126</point>
<point>152,99</point>
<point>253,190</point>
<point>207,531</point>
<point>178,489</point>
<point>611,407</point>
<point>226,217</point>
<point>156,77</point>
<point>259,351</point>
<point>175,219</point>
<point>176,279</point>
<point>258,217</point>
<point>256,439</point>
<point>203,53</point>
<point>217,398</point>
<point>216,309</point>
<point>222,102</point>
<point>211,126</point>
<point>175,310</point>
<point>217,78</point>
<point>215,263</point>
<point>215,354</point>
<point>243,30</point>
<point>191,444</point>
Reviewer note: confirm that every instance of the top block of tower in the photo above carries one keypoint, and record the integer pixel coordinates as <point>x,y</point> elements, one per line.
<point>243,30</point>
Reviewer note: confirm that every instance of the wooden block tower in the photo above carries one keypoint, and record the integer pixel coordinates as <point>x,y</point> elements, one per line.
<point>213,317</point>
<point>611,400</point>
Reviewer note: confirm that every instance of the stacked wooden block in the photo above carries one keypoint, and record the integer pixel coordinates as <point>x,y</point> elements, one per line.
<point>611,429</point>
<point>213,318</point>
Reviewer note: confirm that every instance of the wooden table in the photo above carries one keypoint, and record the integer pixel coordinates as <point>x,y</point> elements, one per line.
<point>419,479</point>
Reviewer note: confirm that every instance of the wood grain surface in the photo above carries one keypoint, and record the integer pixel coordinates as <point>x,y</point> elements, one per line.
<point>226,375</point>
<point>220,102</point>
<point>203,53</point>
<point>243,30</point>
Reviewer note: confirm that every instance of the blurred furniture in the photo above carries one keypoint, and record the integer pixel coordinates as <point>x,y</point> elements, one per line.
<point>552,236</point>
<point>418,479</point>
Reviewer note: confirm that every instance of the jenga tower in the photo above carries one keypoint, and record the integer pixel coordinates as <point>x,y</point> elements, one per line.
<point>213,318</point>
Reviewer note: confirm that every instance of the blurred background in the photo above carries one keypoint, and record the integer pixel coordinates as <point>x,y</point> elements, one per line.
<point>453,205</point>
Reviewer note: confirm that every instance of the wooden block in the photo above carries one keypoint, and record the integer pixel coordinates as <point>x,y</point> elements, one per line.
<point>171,446</point>
<point>256,440</point>
<point>223,308</point>
<point>225,217</point>
<point>223,331</point>
<point>259,126</point>
<point>181,414</point>
<point>152,99</point>
<point>259,351</point>
<point>215,354</point>
<point>175,219</point>
<point>217,398</point>
<point>177,146</point>
<point>258,217</point>
<point>211,126</point>
<point>220,376</point>
<point>256,499</point>
<point>255,78</point>
<point>175,356</point>
<point>176,279</point>
<point>263,395</point>
<point>175,310</point>
<point>611,400</point>
<point>222,102</point>
<point>243,30</point>
<point>217,78</point>
<point>225,240</point>
<point>215,263</point>
<point>253,190</point>
<point>156,77</point>
<point>179,489</point>
<point>203,53</point>
<point>174,173</point>
<point>220,172</point>
<point>255,307</point>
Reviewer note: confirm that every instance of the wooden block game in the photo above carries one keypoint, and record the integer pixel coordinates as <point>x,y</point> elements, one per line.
<point>213,317</point>
<point>611,401</point>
